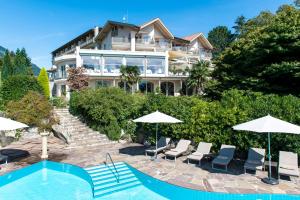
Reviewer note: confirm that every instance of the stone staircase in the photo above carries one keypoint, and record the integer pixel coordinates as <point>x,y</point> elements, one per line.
<point>76,133</point>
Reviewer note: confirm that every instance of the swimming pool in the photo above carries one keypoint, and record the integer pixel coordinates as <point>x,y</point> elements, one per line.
<point>149,188</point>
<point>50,180</point>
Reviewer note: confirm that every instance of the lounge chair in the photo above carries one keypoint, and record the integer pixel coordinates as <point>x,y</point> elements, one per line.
<point>255,160</point>
<point>288,164</point>
<point>181,148</point>
<point>202,150</point>
<point>225,156</point>
<point>162,144</point>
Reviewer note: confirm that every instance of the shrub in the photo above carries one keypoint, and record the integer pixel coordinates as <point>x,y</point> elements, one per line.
<point>111,109</point>
<point>178,107</point>
<point>113,130</point>
<point>59,102</point>
<point>104,107</point>
<point>16,87</point>
<point>44,82</point>
<point>33,109</point>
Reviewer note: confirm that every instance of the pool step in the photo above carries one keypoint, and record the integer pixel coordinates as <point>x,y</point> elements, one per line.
<point>107,181</point>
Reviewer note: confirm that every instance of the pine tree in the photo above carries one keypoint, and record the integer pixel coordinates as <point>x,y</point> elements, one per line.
<point>43,80</point>
<point>16,64</point>
<point>8,68</point>
<point>22,62</point>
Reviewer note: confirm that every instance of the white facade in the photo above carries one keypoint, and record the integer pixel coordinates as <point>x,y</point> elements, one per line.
<point>149,47</point>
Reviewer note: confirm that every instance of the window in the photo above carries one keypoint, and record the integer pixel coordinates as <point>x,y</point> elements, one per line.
<point>146,39</point>
<point>139,62</point>
<point>112,64</point>
<point>114,31</point>
<point>91,63</point>
<point>155,66</point>
<point>62,72</point>
<point>103,83</point>
<point>63,90</point>
<point>72,65</point>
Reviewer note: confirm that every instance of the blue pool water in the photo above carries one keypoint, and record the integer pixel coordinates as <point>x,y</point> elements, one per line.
<point>149,188</point>
<point>58,181</point>
<point>46,181</point>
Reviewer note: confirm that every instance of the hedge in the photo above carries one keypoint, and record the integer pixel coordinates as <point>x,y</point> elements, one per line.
<point>105,109</point>
<point>16,87</point>
<point>203,120</point>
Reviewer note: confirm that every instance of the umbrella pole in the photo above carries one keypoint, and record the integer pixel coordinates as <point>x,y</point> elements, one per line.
<point>156,140</point>
<point>269,155</point>
<point>269,179</point>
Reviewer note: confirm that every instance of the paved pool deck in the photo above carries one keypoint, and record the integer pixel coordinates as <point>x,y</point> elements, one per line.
<point>182,174</point>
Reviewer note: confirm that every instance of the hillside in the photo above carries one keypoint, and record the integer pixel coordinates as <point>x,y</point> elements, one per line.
<point>36,70</point>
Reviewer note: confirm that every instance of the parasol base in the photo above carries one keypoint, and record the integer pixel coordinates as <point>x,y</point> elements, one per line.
<point>270,181</point>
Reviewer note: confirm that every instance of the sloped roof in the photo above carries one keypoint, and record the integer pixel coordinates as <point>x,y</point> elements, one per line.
<point>191,37</point>
<point>161,25</point>
<point>83,35</point>
<point>201,38</point>
<point>110,23</point>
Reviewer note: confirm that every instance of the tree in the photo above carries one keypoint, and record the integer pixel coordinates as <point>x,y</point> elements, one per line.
<point>33,109</point>
<point>77,80</point>
<point>43,80</point>
<point>130,75</point>
<point>199,76</point>
<point>22,62</point>
<point>239,24</point>
<point>265,57</point>
<point>16,87</point>
<point>16,63</point>
<point>8,68</point>
<point>220,37</point>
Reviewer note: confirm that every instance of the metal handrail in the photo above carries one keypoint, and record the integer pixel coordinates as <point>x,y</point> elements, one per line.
<point>108,155</point>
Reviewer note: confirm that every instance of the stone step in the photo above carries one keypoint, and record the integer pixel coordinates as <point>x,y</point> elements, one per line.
<point>81,136</point>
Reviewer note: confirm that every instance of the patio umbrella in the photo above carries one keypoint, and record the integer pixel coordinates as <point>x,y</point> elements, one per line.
<point>8,124</point>
<point>157,118</point>
<point>268,124</point>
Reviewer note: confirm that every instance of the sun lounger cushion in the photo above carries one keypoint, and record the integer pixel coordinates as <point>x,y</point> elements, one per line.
<point>288,163</point>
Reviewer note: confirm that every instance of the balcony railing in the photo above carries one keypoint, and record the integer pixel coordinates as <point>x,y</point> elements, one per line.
<point>159,46</point>
<point>179,48</point>
<point>120,40</point>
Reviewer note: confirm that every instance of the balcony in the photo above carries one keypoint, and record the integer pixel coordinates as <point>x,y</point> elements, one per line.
<point>151,45</point>
<point>180,48</point>
<point>85,43</point>
<point>120,43</point>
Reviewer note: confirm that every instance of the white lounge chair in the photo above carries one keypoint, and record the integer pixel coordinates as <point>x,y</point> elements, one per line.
<point>202,150</point>
<point>225,156</point>
<point>255,160</point>
<point>288,164</point>
<point>162,144</point>
<point>181,148</point>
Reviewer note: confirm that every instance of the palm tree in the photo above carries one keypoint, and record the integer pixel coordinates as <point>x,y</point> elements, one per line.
<point>130,75</point>
<point>198,76</point>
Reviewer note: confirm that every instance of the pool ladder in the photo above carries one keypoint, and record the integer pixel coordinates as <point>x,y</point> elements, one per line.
<point>116,173</point>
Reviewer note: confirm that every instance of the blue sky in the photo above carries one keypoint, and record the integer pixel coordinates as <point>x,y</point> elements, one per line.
<point>43,25</point>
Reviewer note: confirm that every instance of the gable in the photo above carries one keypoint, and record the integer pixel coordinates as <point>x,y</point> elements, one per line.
<point>159,28</point>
